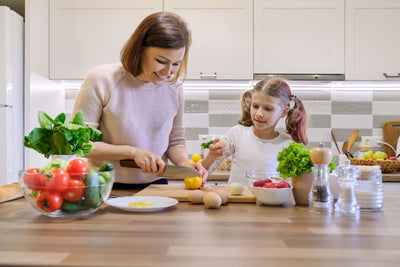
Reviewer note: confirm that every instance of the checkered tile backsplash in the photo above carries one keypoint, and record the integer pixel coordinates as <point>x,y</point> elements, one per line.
<point>214,111</point>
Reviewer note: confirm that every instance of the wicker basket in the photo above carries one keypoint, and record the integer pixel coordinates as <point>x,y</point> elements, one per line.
<point>386,165</point>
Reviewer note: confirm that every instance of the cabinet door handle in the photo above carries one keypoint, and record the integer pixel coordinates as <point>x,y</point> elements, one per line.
<point>208,77</point>
<point>391,76</point>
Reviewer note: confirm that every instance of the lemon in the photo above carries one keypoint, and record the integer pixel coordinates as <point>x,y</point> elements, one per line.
<point>196,158</point>
<point>193,182</point>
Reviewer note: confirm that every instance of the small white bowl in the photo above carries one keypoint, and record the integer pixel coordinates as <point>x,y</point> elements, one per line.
<point>272,196</point>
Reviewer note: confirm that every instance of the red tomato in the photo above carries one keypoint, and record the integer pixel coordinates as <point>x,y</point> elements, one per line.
<point>34,180</point>
<point>75,190</point>
<point>49,202</point>
<point>77,168</point>
<point>58,182</point>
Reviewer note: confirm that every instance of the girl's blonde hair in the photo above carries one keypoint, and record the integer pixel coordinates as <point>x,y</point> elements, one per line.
<point>163,30</point>
<point>296,119</point>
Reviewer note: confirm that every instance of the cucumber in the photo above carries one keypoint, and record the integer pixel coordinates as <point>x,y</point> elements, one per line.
<point>92,192</point>
<point>106,167</point>
<point>73,206</point>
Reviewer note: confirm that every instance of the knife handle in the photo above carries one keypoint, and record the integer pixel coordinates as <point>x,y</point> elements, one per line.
<point>130,163</point>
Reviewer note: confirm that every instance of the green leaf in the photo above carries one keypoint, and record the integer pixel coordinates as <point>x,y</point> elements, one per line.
<point>44,120</point>
<point>78,119</point>
<point>55,137</point>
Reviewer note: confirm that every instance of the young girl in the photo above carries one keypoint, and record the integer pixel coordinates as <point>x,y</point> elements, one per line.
<point>255,143</point>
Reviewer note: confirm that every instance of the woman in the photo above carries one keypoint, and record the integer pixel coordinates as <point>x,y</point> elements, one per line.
<point>138,105</point>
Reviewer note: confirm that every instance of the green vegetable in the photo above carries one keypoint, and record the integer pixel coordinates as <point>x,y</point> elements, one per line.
<point>106,167</point>
<point>207,144</point>
<point>92,192</point>
<point>107,176</point>
<point>102,180</point>
<point>295,159</point>
<point>55,137</point>
<point>73,206</point>
<point>54,164</point>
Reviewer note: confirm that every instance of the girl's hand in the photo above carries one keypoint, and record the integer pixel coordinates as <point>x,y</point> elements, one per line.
<point>148,161</point>
<point>217,149</point>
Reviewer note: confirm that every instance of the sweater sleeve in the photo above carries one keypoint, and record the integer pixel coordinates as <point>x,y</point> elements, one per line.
<point>176,137</point>
<point>92,98</point>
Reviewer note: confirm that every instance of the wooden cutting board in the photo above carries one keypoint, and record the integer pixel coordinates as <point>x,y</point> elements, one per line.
<point>180,192</point>
<point>391,133</point>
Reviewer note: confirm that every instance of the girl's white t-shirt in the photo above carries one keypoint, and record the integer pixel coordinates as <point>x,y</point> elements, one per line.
<point>250,152</point>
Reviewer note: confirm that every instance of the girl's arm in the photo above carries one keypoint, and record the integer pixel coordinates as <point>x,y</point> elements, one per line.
<point>216,151</point>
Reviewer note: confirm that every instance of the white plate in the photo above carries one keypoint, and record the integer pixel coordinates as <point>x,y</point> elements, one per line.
<point>158,202</point>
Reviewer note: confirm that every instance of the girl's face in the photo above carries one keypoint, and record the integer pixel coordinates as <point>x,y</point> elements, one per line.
<point>265,112</point>
<point>160,63</point>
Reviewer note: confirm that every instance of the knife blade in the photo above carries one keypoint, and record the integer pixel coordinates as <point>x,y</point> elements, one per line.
<point>169,171</point>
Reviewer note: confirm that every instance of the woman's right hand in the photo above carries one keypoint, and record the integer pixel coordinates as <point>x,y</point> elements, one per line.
<point>148,161</point>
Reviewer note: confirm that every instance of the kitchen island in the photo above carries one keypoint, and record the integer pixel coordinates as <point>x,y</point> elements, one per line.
<point>236,234</point>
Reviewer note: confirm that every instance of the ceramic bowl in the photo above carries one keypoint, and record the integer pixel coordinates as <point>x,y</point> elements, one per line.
<point>49,195</point>
<point>267,196</point>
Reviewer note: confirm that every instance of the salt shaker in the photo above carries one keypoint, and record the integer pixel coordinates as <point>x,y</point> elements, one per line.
<point>347,205</point>
<point>320,197</point>
<point>369,188</point>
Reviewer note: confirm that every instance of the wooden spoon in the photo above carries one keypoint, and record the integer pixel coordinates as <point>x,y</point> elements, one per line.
<point>352,139</point>
<point>344,147</point>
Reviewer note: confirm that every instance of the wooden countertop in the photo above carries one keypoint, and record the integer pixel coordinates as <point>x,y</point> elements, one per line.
<point>191,235</point>
<point>223,175</point>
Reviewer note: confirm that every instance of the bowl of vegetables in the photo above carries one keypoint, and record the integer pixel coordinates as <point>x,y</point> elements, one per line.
<point>268,187</point>
<point>67,189</point>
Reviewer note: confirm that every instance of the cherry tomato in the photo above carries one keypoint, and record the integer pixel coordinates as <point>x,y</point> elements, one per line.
<point>77,168</point>
<point>49,202</point>
<point>34,180</point>
<point>75,190</point>
<point>58,181</point>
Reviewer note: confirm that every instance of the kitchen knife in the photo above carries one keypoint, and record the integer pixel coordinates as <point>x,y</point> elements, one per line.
<point>169,171</point>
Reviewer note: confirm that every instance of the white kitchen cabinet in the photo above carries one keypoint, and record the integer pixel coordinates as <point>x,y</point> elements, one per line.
<point>222,33</point>
<point>299,36</point>
<point>87,33</point>
<point>372,40</point>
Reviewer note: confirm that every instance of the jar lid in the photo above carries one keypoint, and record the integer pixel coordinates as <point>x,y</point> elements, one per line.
<point>367,169</point>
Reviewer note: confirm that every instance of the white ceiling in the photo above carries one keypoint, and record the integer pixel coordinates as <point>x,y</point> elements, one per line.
<point>16,5</point>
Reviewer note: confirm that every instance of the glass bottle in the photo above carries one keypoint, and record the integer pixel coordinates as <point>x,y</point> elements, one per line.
<point>347,205</point>
<point>369,188</point>
<point>320,197</point>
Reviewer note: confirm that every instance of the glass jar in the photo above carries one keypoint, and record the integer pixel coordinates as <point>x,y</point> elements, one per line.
<point>369,188</point>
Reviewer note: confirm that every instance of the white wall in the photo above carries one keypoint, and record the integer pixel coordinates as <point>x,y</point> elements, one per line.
<point>40,92</point>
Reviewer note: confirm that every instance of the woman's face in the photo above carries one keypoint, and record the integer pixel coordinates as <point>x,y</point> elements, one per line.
<point>265,112</point>
<point>160,63</point>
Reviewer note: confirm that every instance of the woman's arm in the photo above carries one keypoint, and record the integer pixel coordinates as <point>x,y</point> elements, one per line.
<point>146,160</point>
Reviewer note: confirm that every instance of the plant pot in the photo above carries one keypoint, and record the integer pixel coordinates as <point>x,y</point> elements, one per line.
<point>301,188</point>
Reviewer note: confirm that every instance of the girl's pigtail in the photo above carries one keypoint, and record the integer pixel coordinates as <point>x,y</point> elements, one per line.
<point>245,102</point>
<point>296,121</point>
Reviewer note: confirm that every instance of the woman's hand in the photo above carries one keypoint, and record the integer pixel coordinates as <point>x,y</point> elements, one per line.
<point>203,172</point>
<point>148,161</point>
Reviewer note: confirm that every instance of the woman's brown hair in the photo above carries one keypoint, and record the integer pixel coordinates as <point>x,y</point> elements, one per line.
<point>163,30</point>
<point>296,119</point>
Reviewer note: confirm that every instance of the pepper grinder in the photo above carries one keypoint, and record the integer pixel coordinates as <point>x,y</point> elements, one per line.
<point>320,197</point>
<point>346,204</point>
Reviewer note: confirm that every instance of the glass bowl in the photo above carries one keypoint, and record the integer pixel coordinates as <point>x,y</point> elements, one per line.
<point>58,195</point>
<point>268,196</point>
